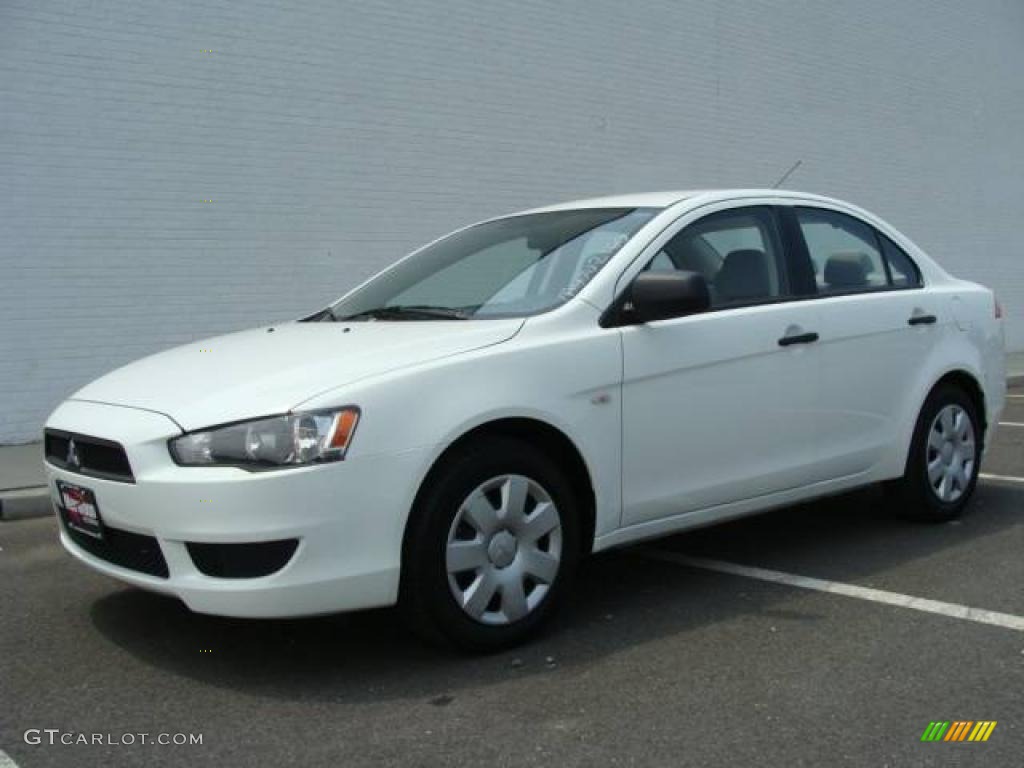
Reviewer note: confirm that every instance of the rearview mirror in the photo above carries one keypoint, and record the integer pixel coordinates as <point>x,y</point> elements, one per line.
<point>663,295</point>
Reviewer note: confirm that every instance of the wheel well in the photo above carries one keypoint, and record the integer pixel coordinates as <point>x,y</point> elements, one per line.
<point>965,381</point>
<point>547,438</point>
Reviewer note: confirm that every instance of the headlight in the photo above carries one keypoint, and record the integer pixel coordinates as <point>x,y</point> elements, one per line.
<point>279,441</point>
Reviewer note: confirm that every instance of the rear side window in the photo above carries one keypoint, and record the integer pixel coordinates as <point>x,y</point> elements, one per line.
<point>844,251</point>
<point>903,270</point>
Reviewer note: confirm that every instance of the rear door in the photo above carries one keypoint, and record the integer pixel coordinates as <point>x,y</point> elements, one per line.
<point>877,327</point>
<point>719,407</point>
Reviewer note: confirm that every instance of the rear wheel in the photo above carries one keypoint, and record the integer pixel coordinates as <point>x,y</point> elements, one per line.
<point>492,544</point>
<point>942,468</point>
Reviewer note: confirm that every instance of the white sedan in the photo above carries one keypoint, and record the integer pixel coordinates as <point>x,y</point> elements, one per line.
<point>455,433</point>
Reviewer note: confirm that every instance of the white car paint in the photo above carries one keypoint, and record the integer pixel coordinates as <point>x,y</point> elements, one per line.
<point>227,378</point>
<point>680,422</point>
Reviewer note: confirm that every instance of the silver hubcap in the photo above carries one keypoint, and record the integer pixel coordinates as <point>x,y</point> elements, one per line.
<point>504,549</point>
<point>950,453</point>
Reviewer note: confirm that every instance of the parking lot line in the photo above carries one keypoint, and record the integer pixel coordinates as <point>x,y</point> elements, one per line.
<point>1001,478</point>
<point>1016,397</point>
<point>1011,423</point>
<point>952,610</point>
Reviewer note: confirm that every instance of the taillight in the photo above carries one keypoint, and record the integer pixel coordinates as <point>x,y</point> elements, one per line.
<point>999,310</point>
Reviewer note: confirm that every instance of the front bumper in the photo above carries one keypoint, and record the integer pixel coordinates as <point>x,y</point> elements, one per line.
<point>348,519</point>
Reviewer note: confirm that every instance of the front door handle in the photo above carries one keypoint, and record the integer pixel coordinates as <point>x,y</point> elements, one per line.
<point>922,320</point>
<point>799,338</point>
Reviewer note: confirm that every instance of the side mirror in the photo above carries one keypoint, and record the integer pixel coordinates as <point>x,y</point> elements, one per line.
<point>663,295</point>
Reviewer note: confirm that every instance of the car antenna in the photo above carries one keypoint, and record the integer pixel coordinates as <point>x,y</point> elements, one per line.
<point>787,174</point>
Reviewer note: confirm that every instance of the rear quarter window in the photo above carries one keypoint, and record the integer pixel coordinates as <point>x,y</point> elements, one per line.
<point>904,271</point>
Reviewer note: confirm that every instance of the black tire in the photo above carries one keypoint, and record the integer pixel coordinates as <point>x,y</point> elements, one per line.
<point>913,495</point>
<point>425,595</point>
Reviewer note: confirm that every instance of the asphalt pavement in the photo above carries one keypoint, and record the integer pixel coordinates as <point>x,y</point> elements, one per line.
<point>653,662</point>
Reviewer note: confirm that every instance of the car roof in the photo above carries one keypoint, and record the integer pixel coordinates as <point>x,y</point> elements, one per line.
<point>670,197</point>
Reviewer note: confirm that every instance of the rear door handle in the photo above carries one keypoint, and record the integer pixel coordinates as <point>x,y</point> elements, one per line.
<point>922,320</point>
<point>799,338</point>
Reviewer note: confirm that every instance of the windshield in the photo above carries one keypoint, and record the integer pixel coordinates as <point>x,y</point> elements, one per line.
<point>511,267</point>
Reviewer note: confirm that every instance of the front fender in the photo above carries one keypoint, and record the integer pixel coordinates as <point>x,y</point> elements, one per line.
<point>569,381</point>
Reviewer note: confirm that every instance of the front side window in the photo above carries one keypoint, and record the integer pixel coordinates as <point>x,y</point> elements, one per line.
<point>843,250</point>
<point>736,251</point>
<point>511,267</point>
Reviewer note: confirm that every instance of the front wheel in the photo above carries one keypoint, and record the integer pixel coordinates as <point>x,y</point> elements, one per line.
<point>492,544</point>
<point>942,468</point>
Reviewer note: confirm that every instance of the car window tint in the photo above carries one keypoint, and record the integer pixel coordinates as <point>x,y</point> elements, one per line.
<point>902,268</point>
<point>736,251</point>
<point>844,252</point>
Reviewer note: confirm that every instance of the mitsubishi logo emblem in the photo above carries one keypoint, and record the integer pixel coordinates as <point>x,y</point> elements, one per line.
<point>72,457</point>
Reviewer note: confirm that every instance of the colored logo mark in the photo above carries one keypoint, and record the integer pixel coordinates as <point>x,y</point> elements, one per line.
<point>959,730</point>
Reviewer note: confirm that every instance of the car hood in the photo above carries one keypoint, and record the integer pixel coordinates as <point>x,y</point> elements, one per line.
<point>271,370</point>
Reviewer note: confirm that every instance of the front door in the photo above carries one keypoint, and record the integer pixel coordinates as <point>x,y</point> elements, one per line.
<point>719,407</point>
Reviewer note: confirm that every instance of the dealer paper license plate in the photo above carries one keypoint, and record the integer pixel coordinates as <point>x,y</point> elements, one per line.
<point>79,510</point>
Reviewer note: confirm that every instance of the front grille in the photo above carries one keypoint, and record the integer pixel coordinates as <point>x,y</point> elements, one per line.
<point>123,548</point>
<point>92,456</point>
<point>242,561</point>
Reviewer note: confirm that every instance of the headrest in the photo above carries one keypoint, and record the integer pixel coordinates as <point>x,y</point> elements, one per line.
<point>847,270</point>
<point>744,275</point>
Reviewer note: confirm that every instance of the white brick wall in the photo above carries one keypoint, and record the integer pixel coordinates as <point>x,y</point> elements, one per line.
<point>334,136</point>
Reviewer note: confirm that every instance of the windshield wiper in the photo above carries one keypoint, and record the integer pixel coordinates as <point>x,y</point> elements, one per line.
<point>323,315</point>
<point>409,312</point>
